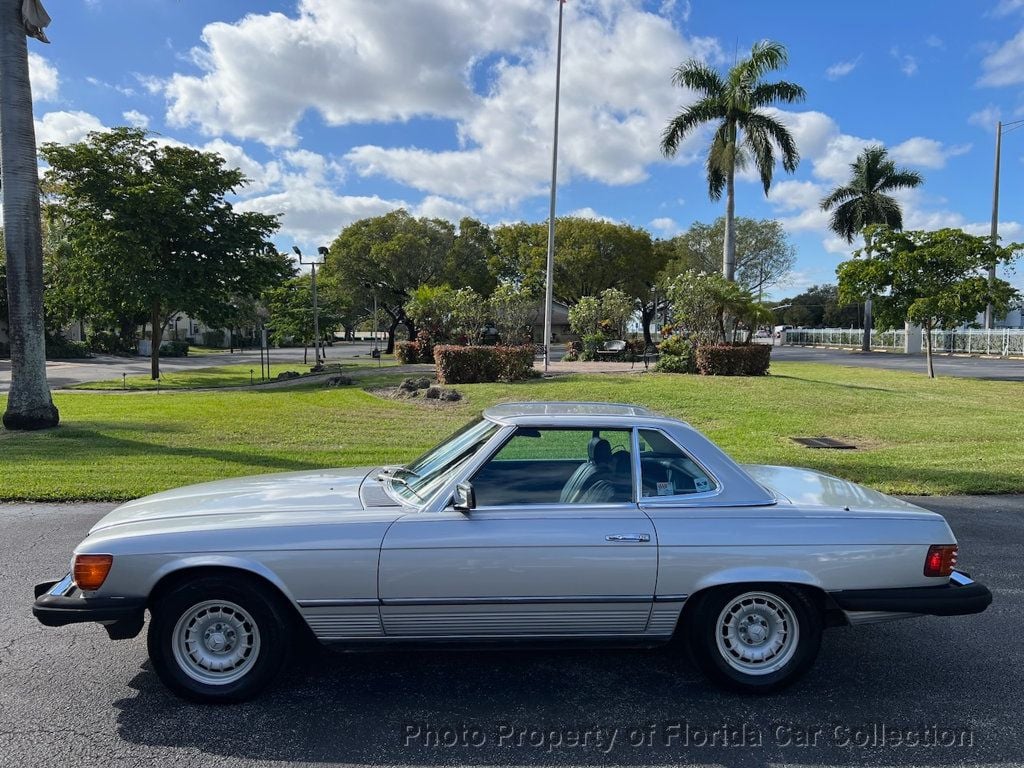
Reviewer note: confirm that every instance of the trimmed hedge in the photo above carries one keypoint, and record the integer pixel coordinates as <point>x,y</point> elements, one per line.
<point>742,360</point>
<point>477,364</point>
<point>408,352</point>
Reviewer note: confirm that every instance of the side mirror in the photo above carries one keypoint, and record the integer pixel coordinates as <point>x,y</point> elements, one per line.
<point>464,499</point>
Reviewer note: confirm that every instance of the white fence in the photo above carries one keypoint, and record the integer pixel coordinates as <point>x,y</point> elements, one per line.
<point>1006,342</point>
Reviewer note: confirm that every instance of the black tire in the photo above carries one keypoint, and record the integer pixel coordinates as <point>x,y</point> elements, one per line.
<point>718,649</point>
<point>263,624</point>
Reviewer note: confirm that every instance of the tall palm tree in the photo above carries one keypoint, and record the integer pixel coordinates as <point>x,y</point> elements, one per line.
<point>865,200</point>
<point>29,405</point>
<point>744,132</point>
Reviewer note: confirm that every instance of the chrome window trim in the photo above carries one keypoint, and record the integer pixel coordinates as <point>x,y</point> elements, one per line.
<point>679,499</point>
<point>542,600</point>
<point>506,434</point>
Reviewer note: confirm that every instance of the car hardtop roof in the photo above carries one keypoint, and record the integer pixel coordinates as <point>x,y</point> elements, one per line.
<point>572,412</point>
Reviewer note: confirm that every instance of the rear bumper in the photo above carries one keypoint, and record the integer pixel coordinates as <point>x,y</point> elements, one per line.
<point>60,602</point>
<point>961,596</point>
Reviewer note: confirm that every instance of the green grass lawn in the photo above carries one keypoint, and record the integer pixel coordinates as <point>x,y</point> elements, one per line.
<point>915,435</point>
<point>239,375</point>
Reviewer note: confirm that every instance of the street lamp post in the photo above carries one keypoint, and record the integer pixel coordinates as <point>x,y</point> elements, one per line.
<point>550,272</point>
<point>313,264</point>
<point>994,230</point>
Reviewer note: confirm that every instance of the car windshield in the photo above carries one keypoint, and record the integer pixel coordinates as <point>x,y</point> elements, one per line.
<point>419,480</point>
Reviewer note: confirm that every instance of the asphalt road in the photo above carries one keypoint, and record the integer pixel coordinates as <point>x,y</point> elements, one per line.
<point>67,373</point>
<point>998,369</point>
<point>71,697</point>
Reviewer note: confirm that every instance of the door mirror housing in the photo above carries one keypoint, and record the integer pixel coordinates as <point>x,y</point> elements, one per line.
<point>464,498</point>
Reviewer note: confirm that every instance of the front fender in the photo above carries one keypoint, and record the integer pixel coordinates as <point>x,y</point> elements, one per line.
<point>234,562</point>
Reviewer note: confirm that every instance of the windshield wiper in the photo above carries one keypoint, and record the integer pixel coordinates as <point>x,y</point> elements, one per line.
<point>406,471</point>
<point>404,483</point>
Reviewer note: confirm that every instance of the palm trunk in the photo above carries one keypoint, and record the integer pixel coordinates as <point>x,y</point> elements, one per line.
<point>29,405</point>
<point>729,245</point>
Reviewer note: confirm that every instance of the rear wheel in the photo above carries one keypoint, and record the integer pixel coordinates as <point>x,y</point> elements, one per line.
<point>218,639</point>
<point>756,638</point>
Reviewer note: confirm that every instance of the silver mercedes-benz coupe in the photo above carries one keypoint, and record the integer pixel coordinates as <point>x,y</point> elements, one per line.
<point>537,522</point>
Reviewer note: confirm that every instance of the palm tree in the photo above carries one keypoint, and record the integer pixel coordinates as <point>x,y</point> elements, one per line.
<point>29,405</point>
<point>865,201</point>
<point>744,133</point>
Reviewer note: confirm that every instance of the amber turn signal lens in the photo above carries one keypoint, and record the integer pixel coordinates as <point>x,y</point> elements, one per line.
<point>91,570</point>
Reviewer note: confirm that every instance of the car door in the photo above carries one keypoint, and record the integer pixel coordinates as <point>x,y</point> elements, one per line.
<point>556,547</point>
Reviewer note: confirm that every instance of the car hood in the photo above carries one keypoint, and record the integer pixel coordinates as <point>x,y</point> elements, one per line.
<point>280,494</point>
<point>807,488</point>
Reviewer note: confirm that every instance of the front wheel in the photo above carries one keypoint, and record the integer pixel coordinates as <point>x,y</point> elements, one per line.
<point>753,638</point>
<point>218,639</point>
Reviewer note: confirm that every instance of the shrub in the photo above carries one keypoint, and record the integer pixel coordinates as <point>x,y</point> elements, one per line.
<point>471,365</point>
<point>213,338</point>
<point>59,348</point>
<point>591,343</point>
<point>674,364</point>
<point>107,343</point>
<point>742,360</point>
<point>407,352</point>
<point>676,346</point>
<point>174,349</point>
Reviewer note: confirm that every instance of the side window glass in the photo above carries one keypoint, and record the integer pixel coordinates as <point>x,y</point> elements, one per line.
<point>558,466</point>
<point>667,470</point>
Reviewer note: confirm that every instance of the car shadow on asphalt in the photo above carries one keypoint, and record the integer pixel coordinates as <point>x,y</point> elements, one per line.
<point>536,708</point>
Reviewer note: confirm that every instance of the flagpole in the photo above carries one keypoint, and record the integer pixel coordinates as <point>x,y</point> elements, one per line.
<point>549,283</point>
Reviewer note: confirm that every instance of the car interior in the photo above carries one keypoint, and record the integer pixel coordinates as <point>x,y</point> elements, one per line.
<point>583,466</point>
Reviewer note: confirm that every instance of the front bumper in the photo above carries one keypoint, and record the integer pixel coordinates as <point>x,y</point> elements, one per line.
<point>961,596</point>
<point>61,602</point>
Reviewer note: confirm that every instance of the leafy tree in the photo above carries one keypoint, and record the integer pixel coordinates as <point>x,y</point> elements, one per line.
<point>818,307</point>
<point>744,132</point>
<point>290,308</point>
<point>468,263</point>
<point>865,201</point>
<point>390,256</point>
<point>606,314</point>
<point>590,256</point>
<point>764,255</point>
<point>514,311</point>
<point>937,279</point>
<point>151,230</point>
<point>29,405</point>
<point>710,309</point>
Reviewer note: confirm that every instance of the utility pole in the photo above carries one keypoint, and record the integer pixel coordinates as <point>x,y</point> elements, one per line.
<point>549,282</point>
<point>313,264</point>
<point>994,231</point>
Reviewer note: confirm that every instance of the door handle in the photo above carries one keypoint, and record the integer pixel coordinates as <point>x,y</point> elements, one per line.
<point>628,537</point>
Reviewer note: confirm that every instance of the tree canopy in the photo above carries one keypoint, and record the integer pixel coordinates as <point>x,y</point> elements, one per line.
<point>764,254</point>
<point>745,132</point>
<point>936,279</point>
<point>151,231</point>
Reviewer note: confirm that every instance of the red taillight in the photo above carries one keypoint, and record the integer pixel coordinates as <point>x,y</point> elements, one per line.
<point>91,571</point>
<point>940,560</point>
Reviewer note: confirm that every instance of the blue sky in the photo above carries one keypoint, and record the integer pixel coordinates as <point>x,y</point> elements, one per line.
<point>339,109</point>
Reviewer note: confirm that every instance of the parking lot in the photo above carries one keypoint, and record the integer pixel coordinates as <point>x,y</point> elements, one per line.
<point>930,691</point>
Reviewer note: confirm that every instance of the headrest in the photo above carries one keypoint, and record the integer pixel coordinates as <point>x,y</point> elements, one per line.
<point>599,450</point>
<point>622,463</point>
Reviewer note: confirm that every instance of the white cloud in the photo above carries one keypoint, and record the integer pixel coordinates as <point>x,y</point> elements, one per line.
<point>66,127</point>
<point>926,153</point>
<point>135,118</point>
<point>666,226</point>
<point>349,60</point>
<point>1004,65</point>
<point>934,41</point>
<point>435,207</point>
<point>44,78</point>
<point>590,213</point>
<point>616,98</point>
<point>907,63</point>
<point>1006,7</point>
<point>987,117</point>
<point>841,69</point>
